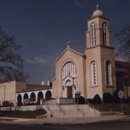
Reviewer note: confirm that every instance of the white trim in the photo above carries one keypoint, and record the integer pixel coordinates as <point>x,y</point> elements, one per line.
<point>104,33</point>
<point>93,73</point>
<point>108,73</point>
<point>93,34</point>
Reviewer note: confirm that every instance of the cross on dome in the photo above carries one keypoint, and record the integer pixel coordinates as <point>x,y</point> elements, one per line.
<point>97,12</point>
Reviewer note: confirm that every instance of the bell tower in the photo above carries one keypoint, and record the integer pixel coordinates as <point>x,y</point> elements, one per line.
<point>98,30</point>
<point>100,61</point>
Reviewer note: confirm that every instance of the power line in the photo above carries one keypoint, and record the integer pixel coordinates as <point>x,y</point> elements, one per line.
<point>78,4</point>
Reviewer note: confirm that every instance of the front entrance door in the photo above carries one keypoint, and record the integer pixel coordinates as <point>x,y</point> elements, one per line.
<point>69,92</point>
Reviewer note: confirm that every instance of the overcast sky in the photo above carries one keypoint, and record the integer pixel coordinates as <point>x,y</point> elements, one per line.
<point>43,27</point>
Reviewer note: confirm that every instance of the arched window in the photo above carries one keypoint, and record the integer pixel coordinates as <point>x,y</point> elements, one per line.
<point>48,95</point>
<point>93,35</point>
<point>93,74</point>
<point>108,72</point>
<point>104,33</point>
<point>19,100</point>
<point>68,69</point>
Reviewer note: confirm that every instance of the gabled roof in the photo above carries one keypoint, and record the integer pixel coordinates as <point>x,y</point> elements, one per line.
<point>53,79</point>
<point>67,76</point>
<point>28,87</point>
<point>122,64</point>
<point>68,48</point>
<point>122,69</point>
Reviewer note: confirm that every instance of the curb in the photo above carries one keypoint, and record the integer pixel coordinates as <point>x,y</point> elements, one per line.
<point>51,123</point>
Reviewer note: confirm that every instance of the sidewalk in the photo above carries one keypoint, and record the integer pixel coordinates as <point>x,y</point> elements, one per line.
<point>61,120</point>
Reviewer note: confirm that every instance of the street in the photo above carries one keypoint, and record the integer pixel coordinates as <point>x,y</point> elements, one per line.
<point>111,125</point>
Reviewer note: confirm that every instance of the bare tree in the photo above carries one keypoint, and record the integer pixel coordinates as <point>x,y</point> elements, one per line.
<point>124,38</point>
<point>11,63</point>
<point>124,51</point>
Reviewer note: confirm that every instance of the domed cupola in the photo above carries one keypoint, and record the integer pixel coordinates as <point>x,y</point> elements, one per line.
<point>97,13</point>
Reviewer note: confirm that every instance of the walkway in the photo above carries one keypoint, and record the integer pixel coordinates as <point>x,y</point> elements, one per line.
<point>61,120</point>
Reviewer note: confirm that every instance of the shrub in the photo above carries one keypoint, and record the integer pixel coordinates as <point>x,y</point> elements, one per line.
<point>124,100</point>
<point>6,104</point>
<point>129,99</point>
<point>90,100</point>
<point>97,99</point>
<point>116,99</point>
<point>107,98</point>
<point>81,100</point>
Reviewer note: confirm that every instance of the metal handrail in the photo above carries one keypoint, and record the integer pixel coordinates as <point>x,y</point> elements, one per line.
<point>79,109</point>
<point>91,105</point>
<point>61,108</point>
<point>49,109</point>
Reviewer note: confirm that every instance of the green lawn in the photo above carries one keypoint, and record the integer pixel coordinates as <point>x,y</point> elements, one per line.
<point>22,114</point>
<point>113,107</point>
<point>34,114</point>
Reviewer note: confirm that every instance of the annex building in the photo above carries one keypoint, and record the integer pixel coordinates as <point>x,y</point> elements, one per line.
<point>88,74</point>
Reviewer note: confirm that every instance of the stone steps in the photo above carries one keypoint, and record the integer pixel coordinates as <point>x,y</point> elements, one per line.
<point>73,111</point>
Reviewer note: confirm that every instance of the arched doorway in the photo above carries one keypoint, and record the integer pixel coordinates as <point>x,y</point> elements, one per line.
<point>69,92</point>
<point>48,95</point>
<point>25,96</point>
<point>40,98</point>
<point>19,100</point>
<point>69,89</point>
<point>26,100</point>
<point>32,97</point>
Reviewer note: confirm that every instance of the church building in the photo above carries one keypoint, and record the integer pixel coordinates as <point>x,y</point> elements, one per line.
<point>90,73</point>
<point>77,75</point>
